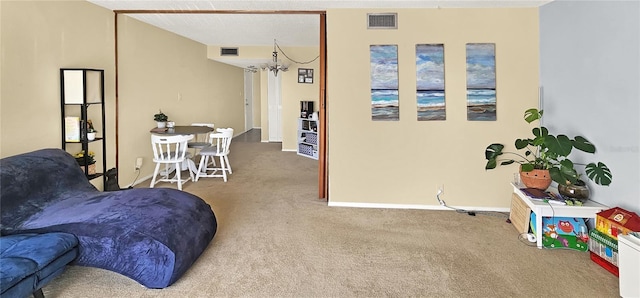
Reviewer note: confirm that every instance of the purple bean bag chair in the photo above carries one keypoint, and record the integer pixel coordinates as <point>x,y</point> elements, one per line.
<point>151,235</point>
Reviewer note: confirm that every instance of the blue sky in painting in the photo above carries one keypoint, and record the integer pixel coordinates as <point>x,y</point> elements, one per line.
<point>481,65</point>
<point>384,67</point>
<point>430,67</point>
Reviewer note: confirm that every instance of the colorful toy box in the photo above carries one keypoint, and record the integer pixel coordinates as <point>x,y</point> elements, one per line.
<point>604,246</point>
<point>563,232</point>
<point>616,221</point>
<point>604,251</point>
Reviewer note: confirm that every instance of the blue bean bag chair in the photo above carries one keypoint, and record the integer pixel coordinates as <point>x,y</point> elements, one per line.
<point>29,261</point>
<point>151,235</point>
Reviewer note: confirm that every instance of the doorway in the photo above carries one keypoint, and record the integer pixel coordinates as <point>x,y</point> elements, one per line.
<point>274,107</point>
<point>248,100</point>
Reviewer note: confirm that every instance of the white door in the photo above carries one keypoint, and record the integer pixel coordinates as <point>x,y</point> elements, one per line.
<point>275,108</point>
<point>248,100</point>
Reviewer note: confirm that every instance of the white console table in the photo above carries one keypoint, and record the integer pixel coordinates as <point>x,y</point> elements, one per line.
<point>543,209</point>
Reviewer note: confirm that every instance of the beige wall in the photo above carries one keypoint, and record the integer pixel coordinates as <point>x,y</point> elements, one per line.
<point>157,70</point>
<point>404,162</point>
<point>161,70</point>
<point>37,39</point>
<point>292,91</point>
<point>401,162</point>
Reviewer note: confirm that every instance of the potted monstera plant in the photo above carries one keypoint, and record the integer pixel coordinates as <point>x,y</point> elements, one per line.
<point>548,154</point>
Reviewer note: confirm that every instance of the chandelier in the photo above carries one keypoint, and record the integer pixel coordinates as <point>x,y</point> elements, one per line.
<point>274,66</point>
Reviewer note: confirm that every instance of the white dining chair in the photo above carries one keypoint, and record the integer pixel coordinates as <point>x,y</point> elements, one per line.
<point>226,157</point>
<point>200,140</point>
<point>220,143</point>
<point>170,151</point>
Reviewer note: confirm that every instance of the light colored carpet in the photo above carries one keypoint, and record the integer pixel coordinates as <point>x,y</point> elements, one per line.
<point>276,239</point>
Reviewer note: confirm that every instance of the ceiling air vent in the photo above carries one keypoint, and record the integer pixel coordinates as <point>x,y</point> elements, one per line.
<point>382,21</point>
<point>228,51</point>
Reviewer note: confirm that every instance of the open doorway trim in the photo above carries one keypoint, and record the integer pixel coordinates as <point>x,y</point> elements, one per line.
<point>323,186</point>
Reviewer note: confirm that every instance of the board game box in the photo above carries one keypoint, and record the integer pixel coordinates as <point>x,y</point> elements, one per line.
<point>563,232</point>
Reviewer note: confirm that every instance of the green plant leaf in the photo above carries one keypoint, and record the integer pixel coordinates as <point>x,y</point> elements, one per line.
<point>560,145</point>
<point>540,133</point>
<point>550,157</point>
<point>508,162</point>
<point>526,167</point>
<point>537,131</point>
<point>491,164</point>
<point>493,151</point>
<point>568,172</point>
<point>531,115</point>
<point>521,143</point>
<point>600,173</point>
<point>583,144</point>
<point>557,176</point>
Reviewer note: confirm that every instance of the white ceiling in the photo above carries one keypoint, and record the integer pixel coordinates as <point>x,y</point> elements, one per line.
<point>261,29</point>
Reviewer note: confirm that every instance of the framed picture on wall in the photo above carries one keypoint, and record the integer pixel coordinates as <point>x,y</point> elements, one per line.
<point>305,75</point>
<point>385,96</point>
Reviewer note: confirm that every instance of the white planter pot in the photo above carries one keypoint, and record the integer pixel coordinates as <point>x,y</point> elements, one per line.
<point>91,136</point>
<point>161,124</point>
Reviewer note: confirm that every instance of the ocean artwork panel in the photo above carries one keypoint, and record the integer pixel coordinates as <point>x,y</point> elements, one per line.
<point>384,83</point>
<point>481,81</point>
<point>430,94</point>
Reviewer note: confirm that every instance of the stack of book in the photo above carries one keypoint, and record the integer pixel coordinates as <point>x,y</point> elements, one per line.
<point>548,197</point>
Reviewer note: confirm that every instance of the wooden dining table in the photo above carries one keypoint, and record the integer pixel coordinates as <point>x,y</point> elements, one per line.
<point>181,130</point>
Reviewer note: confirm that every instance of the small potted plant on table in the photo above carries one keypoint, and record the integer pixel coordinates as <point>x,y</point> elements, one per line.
<point>548,154</point>
<point>91,132</point>
<point>161,119</point>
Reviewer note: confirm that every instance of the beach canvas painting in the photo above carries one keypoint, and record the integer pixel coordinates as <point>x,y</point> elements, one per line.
<point>384,83</point>
<point>481,81</point>
<point>430,82</point>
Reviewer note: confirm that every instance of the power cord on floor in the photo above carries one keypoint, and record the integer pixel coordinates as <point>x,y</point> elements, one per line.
<point>523,237</point>
<point>135,179</point>
<point>471,212</point>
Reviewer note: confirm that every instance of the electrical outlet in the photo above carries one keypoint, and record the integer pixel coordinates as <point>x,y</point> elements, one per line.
<point>138,163</point>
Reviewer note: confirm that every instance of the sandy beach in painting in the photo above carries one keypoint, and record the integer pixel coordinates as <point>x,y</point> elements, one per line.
<point>384,105</point>
<point>385,112</point>
<point>481,112</point>
<point>432,113</point>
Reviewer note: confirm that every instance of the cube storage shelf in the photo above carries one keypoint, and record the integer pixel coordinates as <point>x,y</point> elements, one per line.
<point>82,95</point>
<point>308,137</point>
<point>543,209</point>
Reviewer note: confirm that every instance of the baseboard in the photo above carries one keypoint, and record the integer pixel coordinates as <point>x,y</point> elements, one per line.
<point>413,206</point>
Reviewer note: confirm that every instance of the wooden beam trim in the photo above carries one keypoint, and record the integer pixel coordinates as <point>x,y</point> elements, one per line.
<point>220,11</point>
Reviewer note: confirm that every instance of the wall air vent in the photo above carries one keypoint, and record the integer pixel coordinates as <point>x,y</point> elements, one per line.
<point>382,21</point>
<point>228,51</point>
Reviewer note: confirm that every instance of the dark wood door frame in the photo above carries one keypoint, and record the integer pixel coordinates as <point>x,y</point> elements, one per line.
<point>323,174</point>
